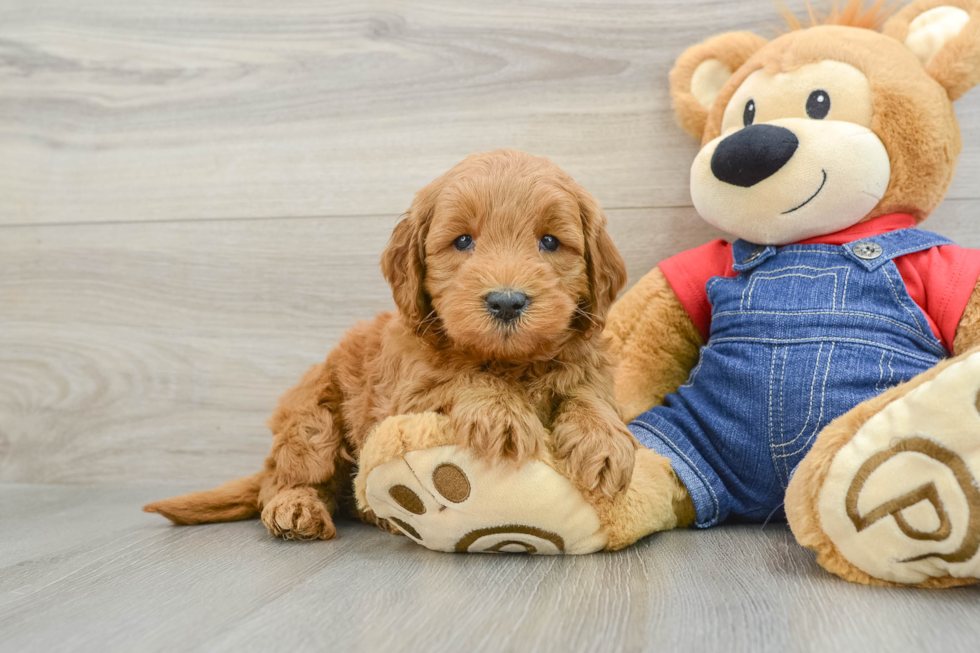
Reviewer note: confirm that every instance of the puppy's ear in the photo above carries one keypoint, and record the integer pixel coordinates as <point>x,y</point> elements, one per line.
<point>606,270</point>
<point>945,36</point>
<point>403,261</point>
<point>702,70</point>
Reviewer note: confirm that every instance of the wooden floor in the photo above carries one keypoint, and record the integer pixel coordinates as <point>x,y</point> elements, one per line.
<point>193,200</point>
<point>83,570</point>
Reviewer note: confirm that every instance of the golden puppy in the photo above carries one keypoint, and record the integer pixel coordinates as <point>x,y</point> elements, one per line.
<point>503,273</point>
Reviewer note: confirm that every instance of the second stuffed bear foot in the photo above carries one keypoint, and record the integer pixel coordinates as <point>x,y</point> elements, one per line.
<point>889,494</point>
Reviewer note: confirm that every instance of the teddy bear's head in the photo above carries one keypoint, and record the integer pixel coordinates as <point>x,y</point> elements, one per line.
<point>828,126</point>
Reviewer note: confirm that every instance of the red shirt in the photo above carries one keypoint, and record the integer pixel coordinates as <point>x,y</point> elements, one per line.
<point>940,280</point>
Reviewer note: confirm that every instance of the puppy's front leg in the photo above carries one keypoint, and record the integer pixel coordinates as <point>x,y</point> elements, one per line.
<point>497,422</point>
<point>592,439</point>
<point>308,462</point>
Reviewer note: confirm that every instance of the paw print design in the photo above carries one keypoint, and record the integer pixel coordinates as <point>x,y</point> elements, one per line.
<point>901,499</point>
<point>447,499</point>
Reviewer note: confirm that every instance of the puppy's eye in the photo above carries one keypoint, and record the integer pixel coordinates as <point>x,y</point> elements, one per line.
<point>463,243</point>
<point>548,243</point>
<point>748,116</point>
<point>818,105</point>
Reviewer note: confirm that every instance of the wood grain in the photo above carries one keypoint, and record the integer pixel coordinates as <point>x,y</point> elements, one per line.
<point>122,110</point>
<point>153,352</point>
<point>127,581</point>
<point>193,200</point>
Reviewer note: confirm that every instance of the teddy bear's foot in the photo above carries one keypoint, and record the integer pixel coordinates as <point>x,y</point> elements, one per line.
<point>412,473</point>
<point>447,499</point>
<point>890,491</point>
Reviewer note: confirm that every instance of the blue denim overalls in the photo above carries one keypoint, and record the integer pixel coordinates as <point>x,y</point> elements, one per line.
<point>800,336</point>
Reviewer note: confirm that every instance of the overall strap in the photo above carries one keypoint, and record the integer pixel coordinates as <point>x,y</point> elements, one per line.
<point>746,255</point>
<point>874,251</point>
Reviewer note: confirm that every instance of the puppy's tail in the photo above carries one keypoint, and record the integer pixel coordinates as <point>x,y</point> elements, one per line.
<point>232,501</point>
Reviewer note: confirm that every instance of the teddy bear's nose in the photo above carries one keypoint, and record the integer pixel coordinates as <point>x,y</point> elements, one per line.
<point>752,154</point>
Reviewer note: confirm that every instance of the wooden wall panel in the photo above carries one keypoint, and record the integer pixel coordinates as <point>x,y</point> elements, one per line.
<point>194,197</point>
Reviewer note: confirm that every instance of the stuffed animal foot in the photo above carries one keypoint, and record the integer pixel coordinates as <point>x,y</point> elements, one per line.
<point>447,498</point>
<point>889,494</point>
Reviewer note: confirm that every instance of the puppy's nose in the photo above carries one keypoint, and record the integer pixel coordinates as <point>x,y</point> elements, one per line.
<point>506,305</point>
<point>752,154</point>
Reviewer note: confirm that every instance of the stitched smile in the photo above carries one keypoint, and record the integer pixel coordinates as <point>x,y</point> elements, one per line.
<point>811,197</point>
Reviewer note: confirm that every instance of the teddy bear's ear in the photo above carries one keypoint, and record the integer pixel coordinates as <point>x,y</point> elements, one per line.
<point>702,70</point>
<point>945,36</point>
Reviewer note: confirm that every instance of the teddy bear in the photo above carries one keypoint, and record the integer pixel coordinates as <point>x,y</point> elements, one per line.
<point>823,367</point>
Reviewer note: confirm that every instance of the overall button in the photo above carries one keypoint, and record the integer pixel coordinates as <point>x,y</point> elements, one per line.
<point>867,251</point>
<point>754,255</point>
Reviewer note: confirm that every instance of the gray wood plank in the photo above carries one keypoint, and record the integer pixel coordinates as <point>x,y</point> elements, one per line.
<point>140,110</point>
<point>49,533</point>
<point>141,353</point>
<point>233,587</point>
<point>153,352</point>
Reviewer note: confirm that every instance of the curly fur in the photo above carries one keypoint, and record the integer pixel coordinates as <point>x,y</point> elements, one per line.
<point>510,390</point>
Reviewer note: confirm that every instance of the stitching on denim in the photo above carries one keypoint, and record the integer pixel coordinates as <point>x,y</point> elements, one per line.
<point>823,399</point>
<point>843,296</point>
<point>694,372</point>
<point>782,393</point>
<point>711,284</point>
<point>772,435</point>
<point>766,276</point>
<point>891,284</point>
<point>806,251</point>
<point>781,413</point>
<point>799,267</point>
<point>938,242</point>
<point>881,372</point>
<point>856,313</point>
<point>929,340</point>
<point>891,371</point>
<point>769,274</point>
<point>704,480</point>
<point>929,244</point>
<point>870,343</point>
<point>813,387</point>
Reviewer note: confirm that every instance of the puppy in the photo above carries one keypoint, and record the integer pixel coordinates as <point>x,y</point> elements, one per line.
<point>502,273</point>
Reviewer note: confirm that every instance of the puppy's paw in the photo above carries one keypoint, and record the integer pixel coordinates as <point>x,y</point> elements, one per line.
<point>598,457</point>
<point>298,514</point>
<point>498,433</point>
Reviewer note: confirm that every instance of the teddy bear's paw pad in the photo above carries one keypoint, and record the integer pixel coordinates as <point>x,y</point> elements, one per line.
<point>448,499</point>
<point>901,500</point>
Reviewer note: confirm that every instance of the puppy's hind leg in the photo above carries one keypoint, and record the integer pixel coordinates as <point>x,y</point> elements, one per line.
<point>308,462</point>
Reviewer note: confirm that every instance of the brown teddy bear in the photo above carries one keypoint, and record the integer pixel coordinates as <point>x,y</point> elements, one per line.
<point>822,365</point>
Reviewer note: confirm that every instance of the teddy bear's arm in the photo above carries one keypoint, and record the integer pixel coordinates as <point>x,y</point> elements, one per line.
<point>968,330</point>
<point>655,342</point>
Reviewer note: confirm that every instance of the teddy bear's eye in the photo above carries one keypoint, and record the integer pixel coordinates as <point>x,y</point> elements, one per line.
<point>818,105</point>
<point>748,116</point>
